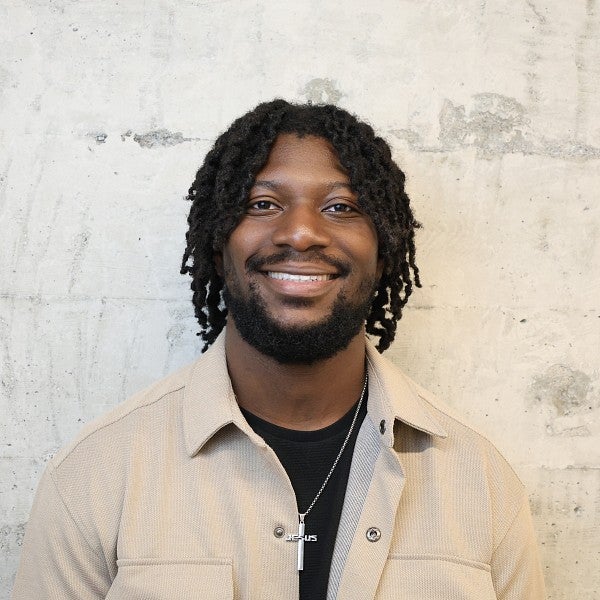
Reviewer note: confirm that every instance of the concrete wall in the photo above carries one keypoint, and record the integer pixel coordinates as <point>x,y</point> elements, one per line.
<point>106,110</point>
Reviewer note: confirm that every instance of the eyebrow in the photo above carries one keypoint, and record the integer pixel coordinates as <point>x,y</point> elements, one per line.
<point>275,185</point>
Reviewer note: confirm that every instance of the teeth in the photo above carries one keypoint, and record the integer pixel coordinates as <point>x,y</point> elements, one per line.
<point>291,277</point>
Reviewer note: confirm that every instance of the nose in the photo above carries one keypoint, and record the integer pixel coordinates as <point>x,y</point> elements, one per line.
<point>302,228</point>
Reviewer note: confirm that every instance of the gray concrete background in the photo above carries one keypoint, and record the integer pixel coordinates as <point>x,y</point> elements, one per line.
<point>106,110</point>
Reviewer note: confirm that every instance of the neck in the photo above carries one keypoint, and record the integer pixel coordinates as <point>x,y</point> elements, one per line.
<point>301,397</point>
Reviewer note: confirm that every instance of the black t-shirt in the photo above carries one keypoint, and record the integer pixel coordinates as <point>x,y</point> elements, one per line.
<point>307,457</point>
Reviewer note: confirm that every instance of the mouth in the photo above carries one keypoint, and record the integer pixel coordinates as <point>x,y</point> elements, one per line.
<point>297,277</point>
<point>297,280</point>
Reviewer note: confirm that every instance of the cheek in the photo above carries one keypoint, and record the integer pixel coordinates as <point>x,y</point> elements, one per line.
<point>370,252</point>
<point>234,257</point>
<point>242,243</point>
<point>228,267</point>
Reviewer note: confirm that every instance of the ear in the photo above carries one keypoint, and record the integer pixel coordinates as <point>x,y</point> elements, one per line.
<point>218,260</point>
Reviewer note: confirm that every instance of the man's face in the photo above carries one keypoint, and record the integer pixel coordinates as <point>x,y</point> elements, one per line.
<point>301,266</point>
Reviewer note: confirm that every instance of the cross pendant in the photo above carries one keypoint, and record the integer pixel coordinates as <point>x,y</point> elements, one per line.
<point>300,542</point>
<point>301,538</point>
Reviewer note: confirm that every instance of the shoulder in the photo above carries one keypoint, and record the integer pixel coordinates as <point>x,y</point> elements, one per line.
<point>414,404</point>
<point>92,474</point>
<point>151,425</point>
<point>473,464</point>
<point>436,442</point>
<point>461,432</point>
<point>115,428</point>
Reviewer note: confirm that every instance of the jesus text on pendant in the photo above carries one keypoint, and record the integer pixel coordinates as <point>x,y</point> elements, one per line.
<point>293,537</point>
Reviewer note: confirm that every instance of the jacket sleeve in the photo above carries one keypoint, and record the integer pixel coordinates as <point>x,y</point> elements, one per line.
<point>516,569</point>
<point>57,561</point>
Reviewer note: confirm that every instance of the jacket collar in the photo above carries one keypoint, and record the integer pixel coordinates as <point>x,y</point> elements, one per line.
<point>395,397</point>
<point>209,403</point>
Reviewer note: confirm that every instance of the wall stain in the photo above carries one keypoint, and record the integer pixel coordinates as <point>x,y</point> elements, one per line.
<point>175,334</point>
<point>585,64</point>
<point>322,91</point>
<point>568,149</point>
<point>7,378</point>
<point>539,16</point>
<point>24,218</point>
<point>159,137</point>
<point>533,56</point>
<point>495,126</point>
<point>564,388</point>
<point>98,136</point>
<point>11,537</point>
<point>590,8</point>
<point>543,243</point>
<point>565,396</point>
<point>81,242</point>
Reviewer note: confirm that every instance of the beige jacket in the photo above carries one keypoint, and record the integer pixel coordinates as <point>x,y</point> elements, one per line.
<point>172,495</point>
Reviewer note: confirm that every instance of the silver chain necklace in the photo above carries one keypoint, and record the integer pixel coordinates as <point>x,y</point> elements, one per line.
<point>300,537</point>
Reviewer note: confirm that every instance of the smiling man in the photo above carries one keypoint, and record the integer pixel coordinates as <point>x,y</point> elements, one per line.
<point>300,269</point>
<point>290,460</point>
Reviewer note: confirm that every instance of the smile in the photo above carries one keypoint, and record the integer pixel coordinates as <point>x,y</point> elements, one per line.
<point>298,277</point>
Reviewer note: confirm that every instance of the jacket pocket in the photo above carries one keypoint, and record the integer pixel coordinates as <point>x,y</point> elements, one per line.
<point>156,579</point>
<point>432,577</point>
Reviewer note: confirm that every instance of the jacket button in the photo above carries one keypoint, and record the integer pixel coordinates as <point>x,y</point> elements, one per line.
<point>382,426</point>
<point>373,534</point>
<point>278,532</point>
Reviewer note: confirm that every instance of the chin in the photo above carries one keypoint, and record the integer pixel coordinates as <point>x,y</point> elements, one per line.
<point>298,323</point>
<point>296,340</point>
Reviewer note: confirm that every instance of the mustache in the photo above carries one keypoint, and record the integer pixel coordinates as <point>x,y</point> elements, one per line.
<point>256,263</point>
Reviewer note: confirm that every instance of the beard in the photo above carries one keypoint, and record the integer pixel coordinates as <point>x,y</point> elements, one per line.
<point>300,344</point>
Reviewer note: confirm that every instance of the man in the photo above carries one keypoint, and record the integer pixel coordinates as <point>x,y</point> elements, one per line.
<point>291,460</point>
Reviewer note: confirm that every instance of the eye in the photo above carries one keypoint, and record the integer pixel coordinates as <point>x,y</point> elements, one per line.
<point>340,207</point>
<point>261,205</point>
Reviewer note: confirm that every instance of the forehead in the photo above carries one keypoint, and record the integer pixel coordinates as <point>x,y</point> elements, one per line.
<point>309,154</point>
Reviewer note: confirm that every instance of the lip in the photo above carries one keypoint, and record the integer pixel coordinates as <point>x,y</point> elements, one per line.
<point>301,269</point>
<point>299,280</point>
<point>297,277</point>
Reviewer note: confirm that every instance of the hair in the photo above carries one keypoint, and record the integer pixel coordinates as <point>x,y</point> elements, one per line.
<point>220,190</point>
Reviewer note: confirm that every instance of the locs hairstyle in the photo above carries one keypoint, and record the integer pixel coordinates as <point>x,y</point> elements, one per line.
<point>220,191</point>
